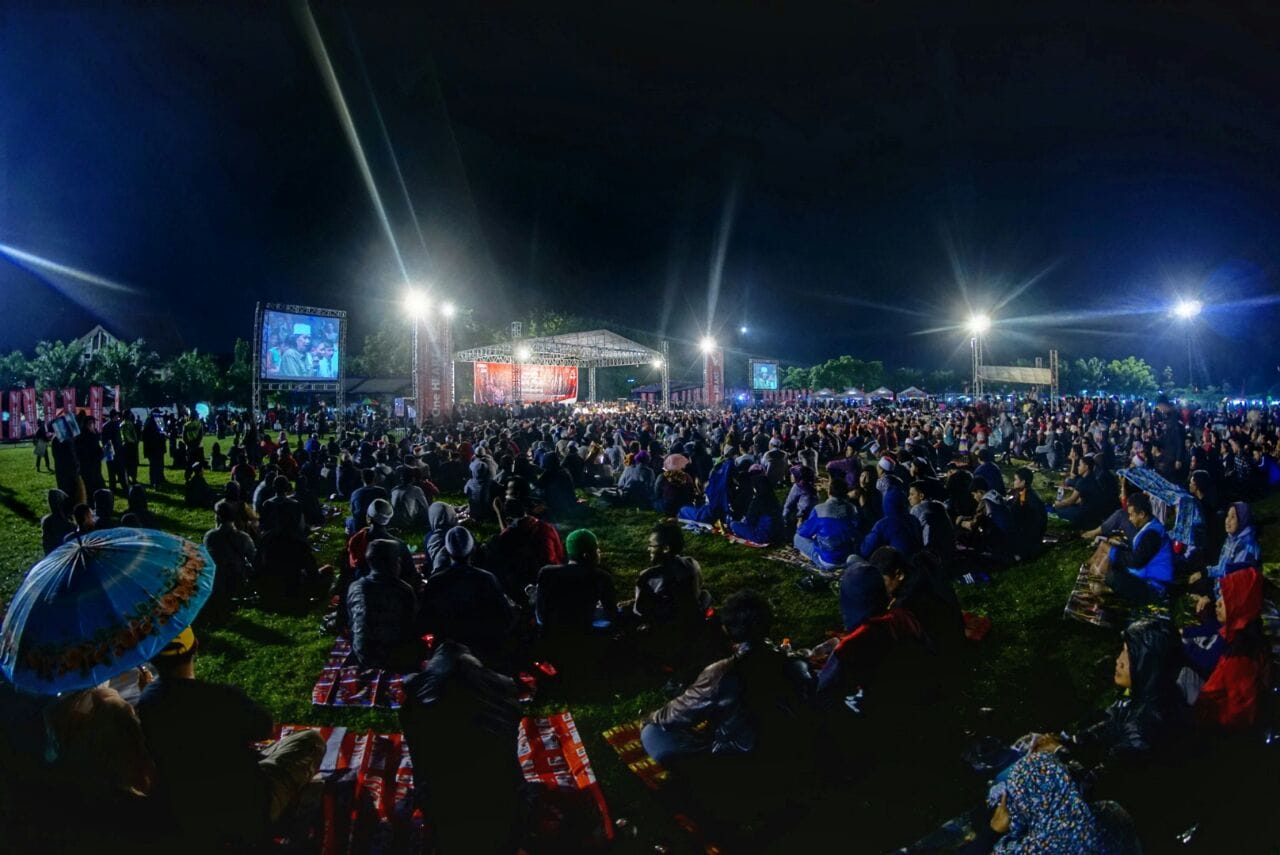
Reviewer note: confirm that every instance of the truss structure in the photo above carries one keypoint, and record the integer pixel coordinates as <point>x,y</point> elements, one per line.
<point>591,350</point>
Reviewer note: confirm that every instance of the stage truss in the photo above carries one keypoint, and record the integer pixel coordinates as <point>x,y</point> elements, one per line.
<point>591,350</point>
<point>338,387</point>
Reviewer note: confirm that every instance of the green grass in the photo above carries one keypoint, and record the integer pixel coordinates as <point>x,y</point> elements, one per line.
<point>1035,669</point>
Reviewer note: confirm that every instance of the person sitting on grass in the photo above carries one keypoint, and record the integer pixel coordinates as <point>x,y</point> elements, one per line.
<point>674,488</point>
<point>1028,517</point>
<point>762,522</point>
<point>464,603</point>
<point>233,554</point>
<point>479,491</point>
<point>716,507</point>
<point>802,498</point>
<point>383,612</point>
<point>636,483</point>
<point>197,493</point>
<point>1225,680</point>
<point>525,545</point>
<point>441,517</point>
<point>747,699</point>
<point>896,528</point>
<point>104,509</point>
<point>85,523</point>
<point>670,590</point>
<point>571,598</point>
<point>409,502</point>
<point>989,531</point>
<point>57,524</point>
<point>201,735</point>
<point>1142,570</point>
<point>829,534</point>
<point>937,534</point>
<point>362,498</point>
<point>1083,504</point>
<point>1240,549</point>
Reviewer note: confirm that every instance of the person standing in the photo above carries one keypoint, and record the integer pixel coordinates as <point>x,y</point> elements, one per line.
<point>153,445</point>
<point>129,439</point>
<point>113,453</point>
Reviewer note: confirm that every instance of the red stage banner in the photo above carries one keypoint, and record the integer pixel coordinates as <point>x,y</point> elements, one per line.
<point>713,378</point>
<point>119,401</point>
<point>29,408</point>
<point>539,384</point>
<point>49,400</point>
<point>435,370</point>
<point>15,414</point>
<point>95,406</point>
<point>69,400</point>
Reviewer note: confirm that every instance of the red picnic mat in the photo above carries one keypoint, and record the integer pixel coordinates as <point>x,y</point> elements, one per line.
<point>362,798</point>
<point>342,683</point>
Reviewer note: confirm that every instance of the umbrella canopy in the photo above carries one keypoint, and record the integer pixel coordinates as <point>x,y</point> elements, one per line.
<point>98,606</point>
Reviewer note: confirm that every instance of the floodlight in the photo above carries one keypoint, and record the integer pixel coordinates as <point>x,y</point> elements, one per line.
<point>707,344</point>
<point>978,324</point>
<point>523,353</point>
<point>657,362</point>
<point>1188,309</point>
<point>415,303</point>
<point>742,329</point>
<point>448,310</point>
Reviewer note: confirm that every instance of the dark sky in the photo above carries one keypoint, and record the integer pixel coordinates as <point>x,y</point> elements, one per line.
<point>869,167</point>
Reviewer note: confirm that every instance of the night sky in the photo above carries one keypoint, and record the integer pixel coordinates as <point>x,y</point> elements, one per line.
<point>859,178</point>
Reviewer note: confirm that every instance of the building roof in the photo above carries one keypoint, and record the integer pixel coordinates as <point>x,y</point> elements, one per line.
<point>601,348</point>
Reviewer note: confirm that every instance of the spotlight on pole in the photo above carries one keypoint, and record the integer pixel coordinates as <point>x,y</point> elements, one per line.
<point>1188,309</point>
<point>415,303</point>
<point>657,362</point>
<point>707,344</point>
<point>523,353</point>
<point>742,330</point>
<point>448,310</point>
<point>978,324</point>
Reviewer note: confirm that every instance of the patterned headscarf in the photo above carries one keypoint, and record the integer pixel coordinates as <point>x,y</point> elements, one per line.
<point>1047,816</point>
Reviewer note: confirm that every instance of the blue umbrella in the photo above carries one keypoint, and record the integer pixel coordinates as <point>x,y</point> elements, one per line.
<point>100,605</point>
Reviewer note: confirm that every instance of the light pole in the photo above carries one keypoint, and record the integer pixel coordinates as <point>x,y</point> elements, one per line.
<point>1187,311</point>
<point>977,325</point>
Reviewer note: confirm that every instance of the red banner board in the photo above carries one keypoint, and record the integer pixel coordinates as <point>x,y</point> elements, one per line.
<point>95,406</point>
<point>15,414</point>
<point>434,395</point>
<point>69,400</point>
<point>49,400</point>
<point>118,403</point>
<point>29,409</point>
<point>713,378</point>
<point>539,384</point>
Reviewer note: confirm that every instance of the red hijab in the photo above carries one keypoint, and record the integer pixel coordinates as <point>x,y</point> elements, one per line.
<point>1229,698</point>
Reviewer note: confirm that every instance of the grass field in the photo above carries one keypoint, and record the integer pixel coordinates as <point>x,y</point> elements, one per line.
<point>1035,669</point>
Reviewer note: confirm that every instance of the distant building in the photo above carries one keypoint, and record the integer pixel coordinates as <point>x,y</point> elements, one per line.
<point>93,341</point>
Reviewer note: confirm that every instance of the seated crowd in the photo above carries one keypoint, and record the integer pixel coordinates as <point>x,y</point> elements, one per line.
<point>899,504</point>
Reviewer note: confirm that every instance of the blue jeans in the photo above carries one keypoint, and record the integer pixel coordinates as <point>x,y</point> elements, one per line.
<point>662,744</point>
<point>808,547</point>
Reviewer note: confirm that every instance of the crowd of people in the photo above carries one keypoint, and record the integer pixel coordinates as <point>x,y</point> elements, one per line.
<point>896,504</point>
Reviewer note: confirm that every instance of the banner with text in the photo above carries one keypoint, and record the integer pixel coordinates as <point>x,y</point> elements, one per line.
<point>69,400</point>
<point>713,377</point>
<point>15,414</point>
<point>29,408</point>
<point>539,384</point>
<point>49,400</point>
<point>95,406</point>
<point>435,369</point>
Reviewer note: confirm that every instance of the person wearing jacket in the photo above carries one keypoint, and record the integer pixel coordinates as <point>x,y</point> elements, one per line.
<point>569,594</point>
<point>716,507</point>
<point>802,498</point>
<point>440,518</point>
<point>1239,550</point>
<point>936,532</point>
<point>747,699</point>
<point>990,530</point>
<point>57,524</point>
<point>1230,697</point>
<point>361,499</point>
<point>896,528</point>
<point>762,522</point>
<point>636,484</point>
<point>673,490</point>
<point>346,477</point>
<point>461,722</point>
<point>525,545</point>
<point>464,603</point>
<point>670,590</point>
<point>1028,518</point>
<point>1143,572</point>
<point>829,535</point>
<point>479,491</point>
<point>383,611</point>
<point>408,502</point>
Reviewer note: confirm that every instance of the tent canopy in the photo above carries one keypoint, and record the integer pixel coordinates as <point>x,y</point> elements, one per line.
<point>912,392</point>
<point>882,392</point>
<point>597,348</point>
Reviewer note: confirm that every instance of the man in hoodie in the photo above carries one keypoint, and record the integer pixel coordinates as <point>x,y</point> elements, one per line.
<point>479,491</point>
<point>525,545</point>
<point>829,535</point>
<point>57,524</point>
<point>362,498</point>
<point>896,528</point>
<point>408,502</point>
<point>440,518</point>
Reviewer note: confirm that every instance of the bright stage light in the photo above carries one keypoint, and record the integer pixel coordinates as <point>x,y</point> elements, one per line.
<point>978,324</point>
<point>523,353</point>
<point>707,344</point>
<point>415,303</point>
<point>742,330</point>
<point>448,310</point>
<point>657,363</point>
<point>1188,309</point>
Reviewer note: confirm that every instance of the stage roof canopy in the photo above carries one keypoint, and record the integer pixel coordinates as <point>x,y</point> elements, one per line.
<point>595,349</point>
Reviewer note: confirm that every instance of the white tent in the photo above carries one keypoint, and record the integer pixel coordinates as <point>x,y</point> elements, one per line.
<point>882,392</point>
<point>853,392</point>
<point>912,392</point>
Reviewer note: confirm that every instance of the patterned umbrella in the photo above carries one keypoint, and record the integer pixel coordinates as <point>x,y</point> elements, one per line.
<point>98,606</point>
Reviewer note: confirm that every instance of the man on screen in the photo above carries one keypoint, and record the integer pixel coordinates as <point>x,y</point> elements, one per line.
<point>295,361</point>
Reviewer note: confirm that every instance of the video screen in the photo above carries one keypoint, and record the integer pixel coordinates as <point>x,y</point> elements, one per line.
<point>300,347</point>
<point>764,376</point>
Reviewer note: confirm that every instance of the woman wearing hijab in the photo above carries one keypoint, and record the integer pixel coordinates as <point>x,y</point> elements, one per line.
<point>1240,549</point>
<point>637,481</point>
<point>674,488</point>
<point>897,528</point>
<point>1229,698</point>
<point>802,498</point>
<point>1043,812</point>
<point>762,523</point>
